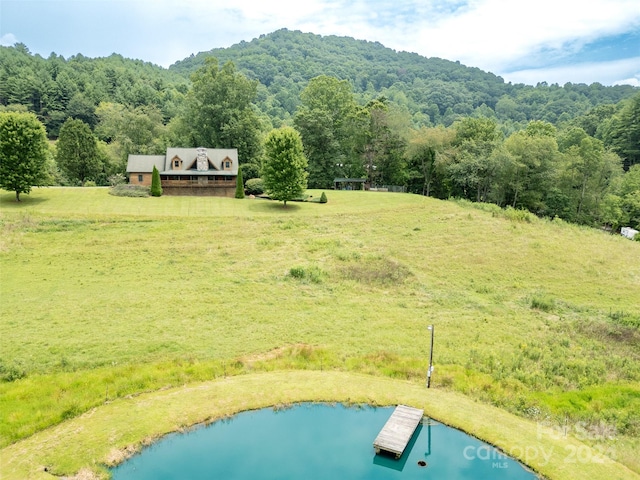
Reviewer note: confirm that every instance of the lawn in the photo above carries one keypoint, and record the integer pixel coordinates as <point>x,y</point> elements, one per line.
<point>105,297</point>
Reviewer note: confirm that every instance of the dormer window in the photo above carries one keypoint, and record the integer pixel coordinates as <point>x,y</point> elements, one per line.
<point>176,163</point>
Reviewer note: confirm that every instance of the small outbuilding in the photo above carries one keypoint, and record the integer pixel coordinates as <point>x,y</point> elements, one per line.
<point>349,183</point>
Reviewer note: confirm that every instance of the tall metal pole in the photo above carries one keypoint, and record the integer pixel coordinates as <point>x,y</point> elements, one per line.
<point>430,327</point>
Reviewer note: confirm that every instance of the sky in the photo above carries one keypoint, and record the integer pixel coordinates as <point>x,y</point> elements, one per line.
<point>553,41</point>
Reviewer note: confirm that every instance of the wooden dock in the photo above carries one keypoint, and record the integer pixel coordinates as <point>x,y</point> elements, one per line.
<point>397,432</point>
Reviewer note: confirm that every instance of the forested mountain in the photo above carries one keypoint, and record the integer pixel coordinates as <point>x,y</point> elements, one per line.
<point>435,91</point>
<point>56,88</point>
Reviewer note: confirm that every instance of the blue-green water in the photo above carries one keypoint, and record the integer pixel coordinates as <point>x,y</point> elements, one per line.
<point>315,441</point>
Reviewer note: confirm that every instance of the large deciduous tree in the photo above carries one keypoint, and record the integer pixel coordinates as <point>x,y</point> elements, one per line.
<point>422,161</point>
<point>590,174</point>
<point>626,132</point>
<point>220,111</point>
<point>325,120</point>
<point>284,170</point>
<point>382,147</point>
<point>428,153</point>
<point>528,170</point>
<point>23,152</point>
<point>622,205</point>
<point>77,152</point>
<point>474,168</point>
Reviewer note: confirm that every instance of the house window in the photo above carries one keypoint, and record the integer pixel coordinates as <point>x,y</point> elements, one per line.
<point>227,164</point>
<point>140,178</point>
<point>176,164</point>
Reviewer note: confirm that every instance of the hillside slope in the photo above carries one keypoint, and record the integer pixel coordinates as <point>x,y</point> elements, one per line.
<point>119,295</point>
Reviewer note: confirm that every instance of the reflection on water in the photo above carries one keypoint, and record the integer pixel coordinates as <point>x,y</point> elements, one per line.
<point>316,441</point>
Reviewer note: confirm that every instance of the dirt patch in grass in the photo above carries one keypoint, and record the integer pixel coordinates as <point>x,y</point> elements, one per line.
<point>119,455</point>
<point>381,271</point>
<point>84,474</point>
<point>609,331</point>
<point>276,353</point>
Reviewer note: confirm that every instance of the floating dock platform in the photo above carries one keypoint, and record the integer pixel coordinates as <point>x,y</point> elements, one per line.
<point>397,432</point>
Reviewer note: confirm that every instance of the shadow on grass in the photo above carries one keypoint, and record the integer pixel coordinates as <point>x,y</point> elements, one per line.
<point>8,200</point>
<point>273,206</point>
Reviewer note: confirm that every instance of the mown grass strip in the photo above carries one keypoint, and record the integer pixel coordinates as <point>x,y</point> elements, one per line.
<point>105,435</point>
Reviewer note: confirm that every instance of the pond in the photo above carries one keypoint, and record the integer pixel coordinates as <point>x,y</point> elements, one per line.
<point>316,441</point>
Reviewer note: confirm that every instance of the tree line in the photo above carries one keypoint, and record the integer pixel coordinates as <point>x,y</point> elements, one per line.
<point>553,172</point>
<point>571,165</point>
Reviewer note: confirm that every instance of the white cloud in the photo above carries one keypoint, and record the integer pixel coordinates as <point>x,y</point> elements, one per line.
<point>8,40</point>
<point>495,33</point>
<point>634,82</point>
<point>615,72</point>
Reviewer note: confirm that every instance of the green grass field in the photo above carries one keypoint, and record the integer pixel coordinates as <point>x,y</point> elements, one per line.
<point>105,297</point>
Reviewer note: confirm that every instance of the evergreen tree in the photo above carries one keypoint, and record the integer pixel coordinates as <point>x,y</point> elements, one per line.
<point>239,184</point>
<point>23,147</point>
<point>325,120</point>
<point>156,185</point>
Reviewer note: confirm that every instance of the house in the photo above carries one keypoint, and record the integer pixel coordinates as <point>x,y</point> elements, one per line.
<point>188,171</point>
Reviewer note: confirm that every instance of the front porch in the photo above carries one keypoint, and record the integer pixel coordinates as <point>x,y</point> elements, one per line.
<point>200,185</point>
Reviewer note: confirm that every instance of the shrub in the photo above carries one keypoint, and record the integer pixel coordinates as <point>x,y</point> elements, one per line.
<point>89,183</point>
<point>623,318</point>
<point>309,274</point>
<point>297,272</point>
<point>124,190</point>
<point>518,215</point>
<point>255,186</point>
<point>156,186</point>
<point>543,303</point>
<point>323,198</point>
<point>13,372</point>
<point>117,179</point>
<point>250,170</point>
